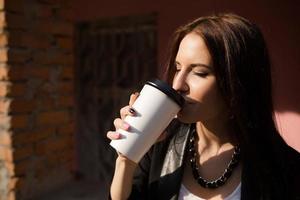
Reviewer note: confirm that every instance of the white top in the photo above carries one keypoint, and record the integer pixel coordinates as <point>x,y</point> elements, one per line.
<point>184,194</point>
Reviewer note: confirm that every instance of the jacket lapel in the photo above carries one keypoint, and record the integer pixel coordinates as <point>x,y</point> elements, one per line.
<point>172,168</point>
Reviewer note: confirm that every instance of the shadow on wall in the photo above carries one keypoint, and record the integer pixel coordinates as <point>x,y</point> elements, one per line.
<point>288,125</point>
<point>286,73</point>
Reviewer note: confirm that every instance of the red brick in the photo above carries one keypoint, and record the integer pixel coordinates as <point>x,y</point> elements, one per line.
<point>53,58</point>
<point>65,101</point>
<point>10,167</point>
<point>53,118</point>
<point>38,72</point>
<point>65,43</point>
<point>68,72</point>
<point>52,160</point>
<point>61,3</point>
<point>42,172</point>
<point>2,19</point>
<point>66,156</point>
<point>11,195</point>
<point>14,55</point>
<point>55,27</point>
<point>17,89</point>
<point>3,39</point>
<point>66,4</point>
<point>5,122</point>
<point>5,139</point>
<point>4,106</point>
<point>4,72</point>
<point>28,72</point>
<point>23,152</point>
<point>66,14</point>
<point>4,88</point>
<point>67,129</point>
<point>22,167</point>
<point>46,104</point>
<point>12,183</point>
<point>66,87</point>
<point>3,55</point>
<point>6,153</point>
<point>53,145</point>
<point>51,2</point>
<point>21,182</point>
<point>35,41</point>
<point>15,21</point>
<point>33,136</point>
<point>71,166</point>
<point>14,5</point>
<point>19,121</point>
<point>18,56</point>
<point>44,11</point>
<point>16,74</point>
<point>22,106</point>
<point>2,4</point>
<point>15,38</point>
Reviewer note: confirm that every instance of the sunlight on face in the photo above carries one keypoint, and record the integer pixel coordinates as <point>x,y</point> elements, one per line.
<point>196,81</point>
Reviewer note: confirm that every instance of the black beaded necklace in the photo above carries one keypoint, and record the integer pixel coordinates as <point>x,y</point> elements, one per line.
<point>195,168</point>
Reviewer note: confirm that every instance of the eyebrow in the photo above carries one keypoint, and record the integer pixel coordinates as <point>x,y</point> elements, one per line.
<point>197,65</point>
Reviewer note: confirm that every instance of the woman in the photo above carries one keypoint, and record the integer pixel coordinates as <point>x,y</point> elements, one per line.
<point>224,143</point>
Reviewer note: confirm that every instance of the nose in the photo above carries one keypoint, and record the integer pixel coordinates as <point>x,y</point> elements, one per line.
<point>180,83</point>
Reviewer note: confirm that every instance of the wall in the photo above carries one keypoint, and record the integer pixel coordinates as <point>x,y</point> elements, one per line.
<point>36,97</point>
<point>276,18</point>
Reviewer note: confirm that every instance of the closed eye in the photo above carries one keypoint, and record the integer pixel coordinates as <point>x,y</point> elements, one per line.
<point>201,74</point>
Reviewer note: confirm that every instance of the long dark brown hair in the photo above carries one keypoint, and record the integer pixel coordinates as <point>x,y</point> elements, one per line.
<point>242,69</point>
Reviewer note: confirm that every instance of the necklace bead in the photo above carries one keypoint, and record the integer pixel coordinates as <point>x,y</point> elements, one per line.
<point>195,168</point>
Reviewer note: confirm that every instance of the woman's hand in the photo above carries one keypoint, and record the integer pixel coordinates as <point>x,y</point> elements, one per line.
<point>124,168</point>
<point>119,123</point>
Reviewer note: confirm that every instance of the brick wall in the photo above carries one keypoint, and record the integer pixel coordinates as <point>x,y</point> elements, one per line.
<point>36,96</point>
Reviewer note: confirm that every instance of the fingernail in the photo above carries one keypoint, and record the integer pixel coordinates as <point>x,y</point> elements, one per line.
<point>126,126</point>
<point>131,110</point>
<point>117,135</point>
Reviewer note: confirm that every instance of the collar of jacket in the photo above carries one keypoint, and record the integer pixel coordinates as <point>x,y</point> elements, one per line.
<point>172,168</point>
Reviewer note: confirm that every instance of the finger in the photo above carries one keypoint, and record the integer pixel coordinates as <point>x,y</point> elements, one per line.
<point>113,135</point>
<point>133,97</point>
<point>127,110</point>
<point>120,124</point>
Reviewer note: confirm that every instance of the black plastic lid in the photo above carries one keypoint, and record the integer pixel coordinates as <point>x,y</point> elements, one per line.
<point>165,88</point>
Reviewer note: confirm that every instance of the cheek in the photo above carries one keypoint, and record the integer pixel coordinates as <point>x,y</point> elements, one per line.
<point>204,90</point>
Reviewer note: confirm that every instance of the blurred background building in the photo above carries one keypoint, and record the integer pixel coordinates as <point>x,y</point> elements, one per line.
<point>66,68</point>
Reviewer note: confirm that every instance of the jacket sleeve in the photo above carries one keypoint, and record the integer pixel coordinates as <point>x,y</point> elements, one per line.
<point>293,172</point>
<point>141,178</point>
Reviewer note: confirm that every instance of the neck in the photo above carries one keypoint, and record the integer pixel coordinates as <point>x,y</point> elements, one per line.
<point>214,137</point>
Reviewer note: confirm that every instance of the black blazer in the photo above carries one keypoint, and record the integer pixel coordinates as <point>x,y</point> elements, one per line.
<point>159,173</point>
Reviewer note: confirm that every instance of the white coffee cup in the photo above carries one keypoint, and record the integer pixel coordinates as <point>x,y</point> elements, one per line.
<point>155,108</point>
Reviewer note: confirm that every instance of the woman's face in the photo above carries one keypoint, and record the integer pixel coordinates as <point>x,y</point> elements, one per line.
<point>196,81</point>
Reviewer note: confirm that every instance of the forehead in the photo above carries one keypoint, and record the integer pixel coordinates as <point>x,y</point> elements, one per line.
<point>192,48</point>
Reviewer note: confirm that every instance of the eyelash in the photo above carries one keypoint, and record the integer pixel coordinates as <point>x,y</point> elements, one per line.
<point>202,74</point>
